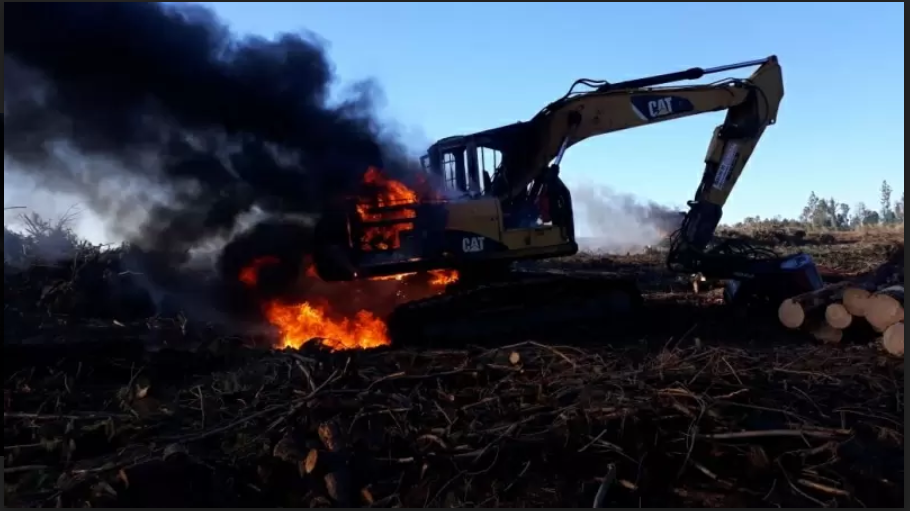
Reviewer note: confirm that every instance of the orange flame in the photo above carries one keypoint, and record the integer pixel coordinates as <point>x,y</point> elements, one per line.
<point>301,323</point>
<point>443,277</point>
<point>387,192</point>
<point>315,320</point>
<point>437,277</point>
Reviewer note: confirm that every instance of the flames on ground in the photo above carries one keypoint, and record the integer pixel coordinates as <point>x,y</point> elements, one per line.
<point>327,315</point>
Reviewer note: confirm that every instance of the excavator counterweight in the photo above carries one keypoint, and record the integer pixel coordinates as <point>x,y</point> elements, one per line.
<point>505,202</point>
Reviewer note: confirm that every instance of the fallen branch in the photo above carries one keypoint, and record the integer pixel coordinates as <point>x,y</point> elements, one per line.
<point>739,435</point>
<point>601,496</point>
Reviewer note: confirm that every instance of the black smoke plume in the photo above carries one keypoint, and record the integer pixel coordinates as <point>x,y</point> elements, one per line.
<point>172,128</point>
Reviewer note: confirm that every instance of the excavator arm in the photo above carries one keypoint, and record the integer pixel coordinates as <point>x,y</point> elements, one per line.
<point>751,106</point>
<point>535,149</point>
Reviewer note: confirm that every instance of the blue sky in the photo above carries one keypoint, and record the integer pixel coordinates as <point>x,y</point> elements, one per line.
<point>449,68</point>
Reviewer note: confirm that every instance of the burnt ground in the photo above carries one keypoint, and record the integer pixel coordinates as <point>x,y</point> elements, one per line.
<point>698,409</point>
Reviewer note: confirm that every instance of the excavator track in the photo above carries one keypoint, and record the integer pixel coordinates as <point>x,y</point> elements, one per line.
<point>515,307</point>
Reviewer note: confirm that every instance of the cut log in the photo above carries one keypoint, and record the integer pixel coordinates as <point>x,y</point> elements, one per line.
<point>893,339</point>
<point>367,496</point>
<point>311,461</point>
<point>337,484</point>
<point>827,334</point>
<point>854,300</point>
<point>332,463</point>
<point>286,450</point>
<point>885,308</point>
<point>331,436</point>
<point>862,287</point>
<point>320,462</point>
<point>794,311</point>
<point>837,315</point>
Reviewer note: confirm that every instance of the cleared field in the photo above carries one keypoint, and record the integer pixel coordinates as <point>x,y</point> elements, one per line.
<point>699,408</point>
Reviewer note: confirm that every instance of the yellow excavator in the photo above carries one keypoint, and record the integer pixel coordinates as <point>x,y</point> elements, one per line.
<point>524,211</point>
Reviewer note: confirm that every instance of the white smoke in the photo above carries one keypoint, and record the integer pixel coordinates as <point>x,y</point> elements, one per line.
<point>620,223</point>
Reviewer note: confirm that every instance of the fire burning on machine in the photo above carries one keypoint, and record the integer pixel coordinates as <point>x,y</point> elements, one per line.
<point>385,210</point>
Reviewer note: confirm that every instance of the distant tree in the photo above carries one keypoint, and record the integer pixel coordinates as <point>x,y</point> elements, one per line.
<point>872,218</point>
<point>859,216</point>
<point>830,213</point>
<point>899,210</point>
<point>843,216</point>
<point>824,213</point>
<point>887,213</point>
<point>810,208</point>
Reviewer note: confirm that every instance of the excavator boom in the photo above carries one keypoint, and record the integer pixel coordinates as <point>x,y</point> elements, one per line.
<point>751,106</point>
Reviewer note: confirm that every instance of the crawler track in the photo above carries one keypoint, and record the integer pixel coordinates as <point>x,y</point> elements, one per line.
<point>521,304</point>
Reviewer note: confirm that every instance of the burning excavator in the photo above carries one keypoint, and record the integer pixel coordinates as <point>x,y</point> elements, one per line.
<point>504,202</point>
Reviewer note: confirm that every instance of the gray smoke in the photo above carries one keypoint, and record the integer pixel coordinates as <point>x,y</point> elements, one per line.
<point>621,223</point>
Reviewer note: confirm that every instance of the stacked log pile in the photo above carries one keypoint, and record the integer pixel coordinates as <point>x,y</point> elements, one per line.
<point>870,306</point>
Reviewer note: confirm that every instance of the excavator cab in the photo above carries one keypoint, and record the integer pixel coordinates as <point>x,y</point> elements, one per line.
<point>458,163</point>
<point>466,165</point>
<point>466,226</point>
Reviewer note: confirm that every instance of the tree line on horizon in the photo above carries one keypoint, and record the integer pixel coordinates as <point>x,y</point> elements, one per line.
<point>831,214</point>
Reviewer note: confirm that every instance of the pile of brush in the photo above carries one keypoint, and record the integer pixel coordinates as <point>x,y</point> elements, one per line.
<point>528,425</point>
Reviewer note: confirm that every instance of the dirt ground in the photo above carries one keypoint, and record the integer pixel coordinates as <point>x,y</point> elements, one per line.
<point>698,409</point>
